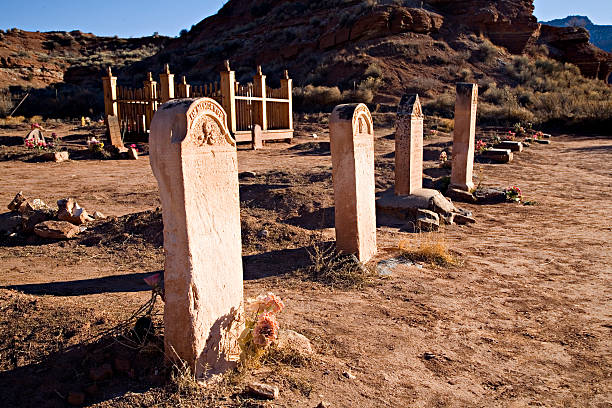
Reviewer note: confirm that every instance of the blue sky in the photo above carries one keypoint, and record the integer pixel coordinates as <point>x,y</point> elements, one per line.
<point>135,18</point>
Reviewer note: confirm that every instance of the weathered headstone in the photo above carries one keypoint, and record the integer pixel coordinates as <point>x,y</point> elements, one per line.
<point>409,146</point>
<point>114,131</point>
<point>35,136</point>
<point>257,134</point>
<point>193,157</point>
<point>352,149</point>
<point>464,136</point>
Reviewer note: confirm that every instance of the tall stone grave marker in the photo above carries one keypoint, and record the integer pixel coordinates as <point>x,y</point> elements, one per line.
<point>464,136</point>
<point>409,146</point>
<point>352,149</point>
<point>193,157</point>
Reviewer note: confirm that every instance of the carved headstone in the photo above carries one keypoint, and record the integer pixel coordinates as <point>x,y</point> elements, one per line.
<point>114,131</point>
<point>409,146</point>
<point>352,149</point>
<point>464,136</point>
<point>35,136</point>
<point>193,157</point>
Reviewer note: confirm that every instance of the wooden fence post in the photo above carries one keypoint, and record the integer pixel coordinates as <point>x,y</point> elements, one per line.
<point>287,92</point>
<point>166,81</point>
<point>109,84</point>
<point>184,88</point>
<point>150,89</point>
<point>228,96</point>
<point>259,90</point>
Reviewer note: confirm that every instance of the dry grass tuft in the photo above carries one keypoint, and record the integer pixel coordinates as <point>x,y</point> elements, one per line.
<point>336,269</point>
<point>285,356</point>
<point>428,247</point>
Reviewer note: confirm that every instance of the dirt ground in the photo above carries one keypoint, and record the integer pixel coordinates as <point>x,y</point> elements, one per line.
<point>525,320</point>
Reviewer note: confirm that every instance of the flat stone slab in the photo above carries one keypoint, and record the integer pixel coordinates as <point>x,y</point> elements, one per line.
<point>510,145</point>
<point>499,155</point>
<point>406,207</point>
<point>540,141</point>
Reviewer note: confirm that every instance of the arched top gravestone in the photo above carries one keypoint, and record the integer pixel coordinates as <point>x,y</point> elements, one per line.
<point>352,147</point>
<point>409,146</point>
<point>193,157</point>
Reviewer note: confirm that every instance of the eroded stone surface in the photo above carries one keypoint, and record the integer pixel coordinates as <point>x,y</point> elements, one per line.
<point>464,136</point>
<point>56,230</point>
<point>193,158</point>
<point>409,146</point>
<point>352,148</point>
<point>257,137</point>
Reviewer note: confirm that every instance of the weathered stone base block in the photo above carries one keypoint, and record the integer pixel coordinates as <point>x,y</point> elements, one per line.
<point>409,207</point>
<point>57,157</point>
<point>193,157</point>
<point>510,145</point>
<point>499,155</point>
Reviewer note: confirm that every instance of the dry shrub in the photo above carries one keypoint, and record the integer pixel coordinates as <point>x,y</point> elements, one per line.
<point>444,125</point>
<point>285,356</point>
<point>12,120</point>
<point>428,247</point>
<point>336,269</point>
<point>312,97</point>
<point>443,105</point>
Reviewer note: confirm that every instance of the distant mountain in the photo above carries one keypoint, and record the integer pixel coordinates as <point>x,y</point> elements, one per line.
<point>601,35</point>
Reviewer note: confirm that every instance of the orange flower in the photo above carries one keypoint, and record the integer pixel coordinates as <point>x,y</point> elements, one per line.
<point>265,331</point>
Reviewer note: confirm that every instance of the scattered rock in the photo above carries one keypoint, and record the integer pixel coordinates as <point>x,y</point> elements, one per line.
<point>490,195</point>
<point>132,153</point>
<point>57,157</point>
<point>56,230</point>
<point>427,224</point>
<point>263,233</point>
<point>69,210</point>
<point>17,201</point>
<point>98,216</point>
<point>323,404</point>
<point>349,375</point>
<point>263,390</point>
<point>460,195</point>
<point>295,342</point>
<point>429,356</point>
<point>76,398</point>
<point>27,207</point>
<point>464,219</point>
<point>247,174</point>
<point>34,218</point>
<point>10,223</point>
<point>101,373</point>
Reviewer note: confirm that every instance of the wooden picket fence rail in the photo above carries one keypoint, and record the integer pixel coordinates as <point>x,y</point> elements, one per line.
<point>246,105</point>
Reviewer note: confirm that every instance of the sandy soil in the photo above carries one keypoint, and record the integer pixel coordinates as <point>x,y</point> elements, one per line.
<point>524,321</point>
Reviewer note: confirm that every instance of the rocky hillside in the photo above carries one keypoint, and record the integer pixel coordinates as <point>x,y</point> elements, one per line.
<point>386,47</point>
<point>601,35</point>
<point>38,60</point>
<point>367,50</point>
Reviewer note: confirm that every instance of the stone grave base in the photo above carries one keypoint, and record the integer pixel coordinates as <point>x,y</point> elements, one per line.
<point>498,155</point>
<point>510,145</point>
<point>421,211</point>
<point>55,156</point>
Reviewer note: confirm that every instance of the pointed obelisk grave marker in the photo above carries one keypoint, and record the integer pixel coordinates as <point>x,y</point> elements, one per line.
<point>409,146</point>
<point>352,148</point>
<point>464,136</point>
<point>193,157</point>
